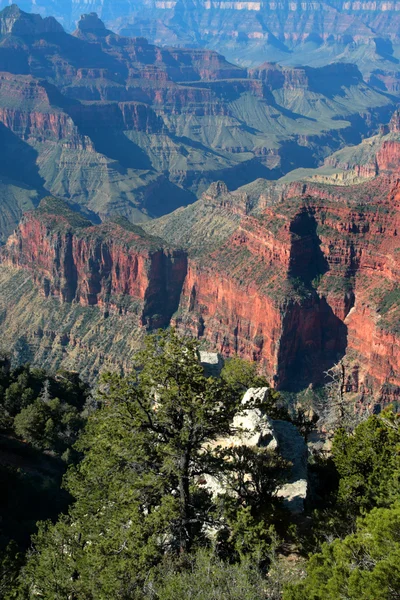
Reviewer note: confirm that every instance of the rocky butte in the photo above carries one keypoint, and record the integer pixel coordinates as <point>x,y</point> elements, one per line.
<point>74,261</point>
<point>296,274</point>
<point>308,275</point>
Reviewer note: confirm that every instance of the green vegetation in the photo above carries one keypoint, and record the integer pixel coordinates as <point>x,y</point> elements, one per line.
<point>243,375</point>
<point>387,299</point>
<point>137,493</point>
<point>362,566</point>
<point>390,299</point>
<point>40,419</point>
<point>368,463</point>
<point>157,506</point>
<point>207,576</point>
<point>44,411</point>
<point>58,208</point>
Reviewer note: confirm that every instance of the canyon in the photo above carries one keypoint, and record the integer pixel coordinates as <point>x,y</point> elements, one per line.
<point>295,276</point>
<point>256,209</point>
<point>309,277</point>
<point>199,298</point>
<point>118,126</point>
<point>251,32</point>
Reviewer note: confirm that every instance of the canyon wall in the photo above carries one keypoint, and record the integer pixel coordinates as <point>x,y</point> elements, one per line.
<point>296,277</point>
<point>114,266</point>
<point>117,125</point>
<point>310,277</point>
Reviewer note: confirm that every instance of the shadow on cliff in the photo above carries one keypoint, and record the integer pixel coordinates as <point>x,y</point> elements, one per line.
<point>167,274</point>
<point>333,80</point>
<point>313,337</point>
<point>313,340</point>
<point>236,176</point>
<point>115,145</point>
<point>293,156</point>
<point>19,160</point>
<point>307,261</point>
<point>163,197</point>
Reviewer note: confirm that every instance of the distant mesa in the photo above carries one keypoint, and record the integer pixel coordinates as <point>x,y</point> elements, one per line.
<point>14,21</point>
<point>90,23</point>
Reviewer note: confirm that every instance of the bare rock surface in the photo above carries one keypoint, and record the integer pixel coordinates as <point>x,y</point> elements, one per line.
<point>252,429</point>
<point>212,363</point>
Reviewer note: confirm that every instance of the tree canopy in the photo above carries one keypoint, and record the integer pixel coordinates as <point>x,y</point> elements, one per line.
<point>167,498</point>
<point>368,462</point>
<point>362,566</point>
<point>138,491</point>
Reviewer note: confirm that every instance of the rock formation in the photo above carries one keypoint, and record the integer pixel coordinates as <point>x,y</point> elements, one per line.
<point>212,363</point>
<point>253,31</point>
<point>16,22</point>
<point>296,276</point>
<point>308,276</point>
<point>116,265</point>
<point>118,125</point>
<point>253,429</point>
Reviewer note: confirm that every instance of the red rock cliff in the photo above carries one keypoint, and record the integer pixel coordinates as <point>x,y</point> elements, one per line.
<point>106,265</point>
<point>305,283</point>
<point>302,280</point>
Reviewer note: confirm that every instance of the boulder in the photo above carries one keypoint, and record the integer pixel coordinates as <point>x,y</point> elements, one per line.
<point>252,428</point>
<point>212,363</point>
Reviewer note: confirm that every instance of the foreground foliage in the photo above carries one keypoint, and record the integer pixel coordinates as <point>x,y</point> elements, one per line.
<point>139,495</point>
<point>41,417</point>
<point>45,411</point>
<point>364,561</point>
<point>146,524</point>
<point>362,566</point>
<point>368,463</point>
<point>206,576</point>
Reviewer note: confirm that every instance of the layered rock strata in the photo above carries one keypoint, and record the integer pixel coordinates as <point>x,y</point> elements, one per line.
<point>115,266</point>
<point>296,277</point>
<point>118,125</point>
<point>309,277</point>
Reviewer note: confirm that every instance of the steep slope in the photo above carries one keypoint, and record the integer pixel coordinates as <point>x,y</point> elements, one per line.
<point>15,199</point>
<point>308,276</point>
<point>93,265</point>
<point>92,291</point>
<point>377,155</point>
<point>295,276</point>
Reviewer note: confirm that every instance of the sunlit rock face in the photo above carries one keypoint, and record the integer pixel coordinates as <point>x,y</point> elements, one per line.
<point>73,260</point>
<point>294,276</point>
<point>253,429</point>
<point>301,276</point>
